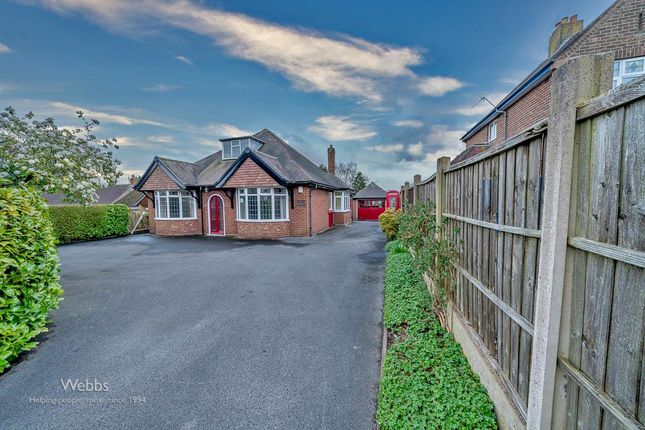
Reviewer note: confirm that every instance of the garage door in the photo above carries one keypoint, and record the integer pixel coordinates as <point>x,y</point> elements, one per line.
<point>370,209</point>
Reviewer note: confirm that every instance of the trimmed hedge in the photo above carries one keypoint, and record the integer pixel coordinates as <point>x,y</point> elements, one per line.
<point>427,382</point>
<point>74,223</point>
<point>29,274</point>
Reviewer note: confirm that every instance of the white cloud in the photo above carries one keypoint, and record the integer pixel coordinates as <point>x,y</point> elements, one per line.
<point>439,85</point>
<point>337,128</point>
<point>66,109</point>
<point>443,136</point>
<point>224,130</point>
<point>159,138</point>
<point>482,107</point>
<point>337,65</point>
<point>388,149</point>
<point>412,123</point>
<point>4,49</point>
<point>161,88</point>
<point>184,59</point>
<point>416,149</point>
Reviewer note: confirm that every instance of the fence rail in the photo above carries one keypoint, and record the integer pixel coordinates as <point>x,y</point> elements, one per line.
<point>550,276</point>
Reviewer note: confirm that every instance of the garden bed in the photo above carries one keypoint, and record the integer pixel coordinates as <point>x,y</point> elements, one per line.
<point>426,381</point>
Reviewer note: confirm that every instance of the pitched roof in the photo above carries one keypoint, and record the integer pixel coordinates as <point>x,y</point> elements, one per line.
<point>106,195</point>
<point>275,154</point>
<point>538,75</point>
<point>131,199</point>
<point>371,191</point>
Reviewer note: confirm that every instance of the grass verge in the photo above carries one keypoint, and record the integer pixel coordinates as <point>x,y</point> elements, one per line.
<point>427,382</point>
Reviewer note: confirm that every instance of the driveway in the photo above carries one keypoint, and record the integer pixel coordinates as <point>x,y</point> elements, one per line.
<point>204,332</point>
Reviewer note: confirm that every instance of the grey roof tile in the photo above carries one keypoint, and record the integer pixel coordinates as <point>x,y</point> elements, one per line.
<point>371,191</point>
<point>278,154</point>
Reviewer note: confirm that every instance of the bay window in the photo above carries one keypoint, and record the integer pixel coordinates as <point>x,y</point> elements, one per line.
<point>262,204</point>
<point>341,201</point>
<point>174,205</point>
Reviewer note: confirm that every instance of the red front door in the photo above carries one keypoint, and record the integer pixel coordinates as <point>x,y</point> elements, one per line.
<point>216,215</point>
<point>331,219</point>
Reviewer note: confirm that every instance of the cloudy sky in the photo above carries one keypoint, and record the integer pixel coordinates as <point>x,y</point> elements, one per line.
<point>390,84</point>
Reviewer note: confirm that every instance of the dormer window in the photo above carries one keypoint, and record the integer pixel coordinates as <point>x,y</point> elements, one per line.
<point>232,148</point>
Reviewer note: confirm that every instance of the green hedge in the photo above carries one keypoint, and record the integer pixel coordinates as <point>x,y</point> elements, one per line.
<point>29,275</point>
<point>427,382</point>
<point>74,223</point>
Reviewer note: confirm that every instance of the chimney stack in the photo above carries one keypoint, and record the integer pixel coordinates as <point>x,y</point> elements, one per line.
<point>331,160</point>
<point>133,180</point>
<point>567,27</point>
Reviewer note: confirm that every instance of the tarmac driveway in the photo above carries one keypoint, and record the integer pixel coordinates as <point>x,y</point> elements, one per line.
<point>217,333</point>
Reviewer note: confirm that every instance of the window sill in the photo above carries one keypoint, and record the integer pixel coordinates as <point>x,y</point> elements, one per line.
<point>175,219</point>
<point>342,212</point>
<point>262,220</point>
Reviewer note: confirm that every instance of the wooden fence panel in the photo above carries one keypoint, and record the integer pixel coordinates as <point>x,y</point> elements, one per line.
<point>493,207</point>
<point>484,199</point>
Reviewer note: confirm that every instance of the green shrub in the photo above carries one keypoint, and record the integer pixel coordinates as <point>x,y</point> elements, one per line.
<point>427,382</point>
<point>74,223</point>
<point>434,253</point>
<point>389,221</point>
<point>29,275</point>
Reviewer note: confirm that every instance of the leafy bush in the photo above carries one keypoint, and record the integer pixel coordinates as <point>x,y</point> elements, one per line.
<point>433,252</point>
<point>74,223</point>
<point>389,221</point>
<point>29,275</point>
<point>427,382</point>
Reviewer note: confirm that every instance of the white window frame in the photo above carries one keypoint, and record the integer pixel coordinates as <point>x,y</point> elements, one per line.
<point>243,217</point>
<point>330,200</point>
<point>238,145</point>
<point>345,205</point>
<point>182,195</point>
<point>492,131</point>
<point>618,79</point>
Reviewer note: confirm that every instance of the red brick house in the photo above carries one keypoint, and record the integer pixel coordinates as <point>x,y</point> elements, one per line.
<point>256,187</point>
<point>619,30</point>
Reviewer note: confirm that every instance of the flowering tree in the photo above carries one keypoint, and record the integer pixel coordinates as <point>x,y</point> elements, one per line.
<point>54,159</point>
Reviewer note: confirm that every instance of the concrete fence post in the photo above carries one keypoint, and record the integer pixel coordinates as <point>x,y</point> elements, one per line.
<point>572,84</point>
<point>415,195</point>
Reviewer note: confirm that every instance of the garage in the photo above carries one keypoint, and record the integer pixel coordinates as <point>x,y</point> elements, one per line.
<point>370,202</point>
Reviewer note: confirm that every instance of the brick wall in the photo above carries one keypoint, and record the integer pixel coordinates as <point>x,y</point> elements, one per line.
<point>263,230</point>
<point>299,215</point>
<point>250,174</point>
<point>158,180</point>
<point>616,32</point>
<point>230,215</point>
<point>320,211</point>
<point>342,218</point>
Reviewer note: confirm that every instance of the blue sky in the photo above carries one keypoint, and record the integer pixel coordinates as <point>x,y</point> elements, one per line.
<point>390,84</point>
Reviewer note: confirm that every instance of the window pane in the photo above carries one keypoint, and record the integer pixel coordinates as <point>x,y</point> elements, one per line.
<point>173,206</point>
<point>242,207</point>
<point>280,190</point>
<point>226,150</point>
<point>252,207</point>
<point>163,207</point>
<point>265,190</point>
<point>265,207</point>
<point>339,203</point>
<point>280,207</point>
<point>616,68</point>
<point>251,190</point>
<point>634,66</point>
<point>187,207</point>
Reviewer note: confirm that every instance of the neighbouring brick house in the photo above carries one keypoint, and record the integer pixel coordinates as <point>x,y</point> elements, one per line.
<point>256,187</point>
<point>619,30</point>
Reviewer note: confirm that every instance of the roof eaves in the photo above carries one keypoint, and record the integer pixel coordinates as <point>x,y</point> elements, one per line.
<point>248,153</point>
<point>534,79</point>
<point>157,162</point>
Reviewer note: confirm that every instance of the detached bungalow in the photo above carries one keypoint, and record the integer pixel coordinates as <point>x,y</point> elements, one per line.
<point>256,187</point>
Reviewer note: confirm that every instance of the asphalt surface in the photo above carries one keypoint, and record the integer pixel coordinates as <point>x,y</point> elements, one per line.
<point>193,333</point>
